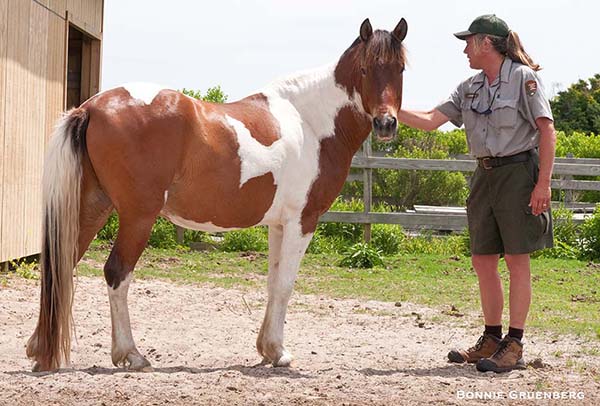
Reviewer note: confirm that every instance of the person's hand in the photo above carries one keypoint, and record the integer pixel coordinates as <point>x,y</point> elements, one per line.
<point>540,199</point>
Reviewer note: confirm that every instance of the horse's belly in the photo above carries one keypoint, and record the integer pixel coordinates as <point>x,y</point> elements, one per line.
<point>219,206</point>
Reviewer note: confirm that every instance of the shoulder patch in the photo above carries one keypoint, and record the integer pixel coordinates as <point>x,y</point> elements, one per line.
<point>531,87</point>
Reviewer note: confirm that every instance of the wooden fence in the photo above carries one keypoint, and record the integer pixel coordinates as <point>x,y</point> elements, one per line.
<point>450,219</point>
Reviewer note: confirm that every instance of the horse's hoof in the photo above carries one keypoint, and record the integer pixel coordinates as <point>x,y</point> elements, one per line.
<point>285,360</point>
<point>137,362</point>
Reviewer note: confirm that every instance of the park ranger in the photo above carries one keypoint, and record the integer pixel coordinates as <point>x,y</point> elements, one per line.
<point>509,128</point>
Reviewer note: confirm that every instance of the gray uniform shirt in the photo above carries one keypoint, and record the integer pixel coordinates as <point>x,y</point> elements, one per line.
<point>510,127</point>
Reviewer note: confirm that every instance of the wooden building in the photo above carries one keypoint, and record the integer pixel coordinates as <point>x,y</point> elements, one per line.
<point>50,53</point>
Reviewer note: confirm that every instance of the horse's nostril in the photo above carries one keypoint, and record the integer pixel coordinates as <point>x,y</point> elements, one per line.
<point>377,122</point>
<point>393,122</point>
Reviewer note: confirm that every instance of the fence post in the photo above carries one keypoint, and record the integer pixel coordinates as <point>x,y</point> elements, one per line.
<point>568,192</point>
<point>179,237</point>
<point>367,186</point>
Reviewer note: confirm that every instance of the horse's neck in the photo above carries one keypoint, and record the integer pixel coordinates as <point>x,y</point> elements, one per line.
<point>318,100</point>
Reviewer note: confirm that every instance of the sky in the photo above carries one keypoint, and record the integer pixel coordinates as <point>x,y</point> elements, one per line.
<point>244,45</point>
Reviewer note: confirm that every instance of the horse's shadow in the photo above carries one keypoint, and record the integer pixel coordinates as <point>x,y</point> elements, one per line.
<point>255,371</point>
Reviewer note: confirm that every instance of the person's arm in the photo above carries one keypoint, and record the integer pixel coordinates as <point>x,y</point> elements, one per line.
<point>423,120</point>
<point>540,197</point>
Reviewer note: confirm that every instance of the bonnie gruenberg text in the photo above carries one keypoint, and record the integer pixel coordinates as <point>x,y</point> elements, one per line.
<point>515,394</point>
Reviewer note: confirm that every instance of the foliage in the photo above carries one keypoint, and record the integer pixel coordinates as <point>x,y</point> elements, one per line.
<point>387,238</point>
<point>344,231</point>
<point>163,234</point>
<point>362,255</point>
<point>213,94</point>
<point>565,236</point>
<point>578,107</point>
<point>589,239</point>
<point>579,144</point>
<point>110,229</point>
<point>26,269</point>
<point>249,239</point>
<point>405,188</point>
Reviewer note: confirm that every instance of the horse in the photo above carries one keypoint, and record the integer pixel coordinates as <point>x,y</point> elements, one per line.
<point>277,158</point>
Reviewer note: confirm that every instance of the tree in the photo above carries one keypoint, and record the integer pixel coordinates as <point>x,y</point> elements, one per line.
<point>578,107</point>
<point>213,94</point>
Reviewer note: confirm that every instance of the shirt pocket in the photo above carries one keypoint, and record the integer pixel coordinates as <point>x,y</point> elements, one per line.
<point>469,116</point>
<point>505,114</point>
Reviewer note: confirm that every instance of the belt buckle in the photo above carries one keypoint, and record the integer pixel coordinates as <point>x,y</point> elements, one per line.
<point>485,163</point>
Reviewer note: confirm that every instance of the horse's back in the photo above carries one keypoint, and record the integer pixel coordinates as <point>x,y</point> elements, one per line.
<point>200,162</point>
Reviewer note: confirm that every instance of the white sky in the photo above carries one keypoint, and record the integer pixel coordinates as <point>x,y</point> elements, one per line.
<point>243,45</point>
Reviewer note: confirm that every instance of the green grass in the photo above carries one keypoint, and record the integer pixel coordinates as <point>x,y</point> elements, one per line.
<point>566,293</point>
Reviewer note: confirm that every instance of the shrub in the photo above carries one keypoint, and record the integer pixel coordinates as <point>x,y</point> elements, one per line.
<point>321,244</point>
<point>163,234</point>
<point>249,239</point>
<point>387,238</point>
<point>589,239</point>
<point>345,231</point>
<point>362,255</point>
<point>110,229</point>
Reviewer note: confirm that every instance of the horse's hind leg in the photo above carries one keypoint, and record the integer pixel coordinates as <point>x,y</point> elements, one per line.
<point>286,249</point>
<point>131,240</point>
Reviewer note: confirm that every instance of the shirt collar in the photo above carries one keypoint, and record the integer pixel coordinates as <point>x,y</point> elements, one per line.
<point>504,72</point>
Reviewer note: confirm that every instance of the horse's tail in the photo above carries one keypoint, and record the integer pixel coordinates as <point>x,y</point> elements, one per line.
<point>50,343</point>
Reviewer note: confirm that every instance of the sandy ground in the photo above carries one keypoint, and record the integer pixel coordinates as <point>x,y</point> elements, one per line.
<point>200,341</point>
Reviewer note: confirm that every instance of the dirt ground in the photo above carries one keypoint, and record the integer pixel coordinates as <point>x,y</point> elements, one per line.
<point>200,341</point>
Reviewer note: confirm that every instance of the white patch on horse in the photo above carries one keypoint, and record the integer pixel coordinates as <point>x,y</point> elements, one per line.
<point>305,106</point>
<point>166,196</point>
<point>145,92</point>
<point>121,327</point>
<point>256,158</point>
<point>191,225</point>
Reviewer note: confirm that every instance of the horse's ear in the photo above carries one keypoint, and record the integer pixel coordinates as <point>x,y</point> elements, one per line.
<point>366,30</point>
<point>400,31</point>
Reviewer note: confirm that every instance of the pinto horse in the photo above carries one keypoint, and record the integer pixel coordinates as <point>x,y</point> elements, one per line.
<point>277,158</point>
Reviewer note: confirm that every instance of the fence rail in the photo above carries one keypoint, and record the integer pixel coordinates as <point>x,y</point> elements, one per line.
<point>450,219</point>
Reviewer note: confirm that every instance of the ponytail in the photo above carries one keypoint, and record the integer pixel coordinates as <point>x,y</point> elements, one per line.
<point>511,46</point>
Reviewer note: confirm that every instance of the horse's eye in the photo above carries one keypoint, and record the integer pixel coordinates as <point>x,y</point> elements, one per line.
<point>363,71</point>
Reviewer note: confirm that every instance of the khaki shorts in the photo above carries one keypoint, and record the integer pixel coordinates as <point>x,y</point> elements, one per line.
<point>500,220</point>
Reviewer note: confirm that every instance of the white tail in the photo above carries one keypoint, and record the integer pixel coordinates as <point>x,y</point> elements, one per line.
<point>50,343</point>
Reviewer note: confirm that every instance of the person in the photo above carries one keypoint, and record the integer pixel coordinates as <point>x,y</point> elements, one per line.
<point>509,128</point>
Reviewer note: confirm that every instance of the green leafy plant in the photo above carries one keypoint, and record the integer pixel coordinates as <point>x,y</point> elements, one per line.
<point>387,238</point>
<point>589,238</point>
<point>110,229</point>
<point>26,269</point>
<point>249,239</point>
<point>163,234</point>
<point>213,94</point>
<point>362,255</point>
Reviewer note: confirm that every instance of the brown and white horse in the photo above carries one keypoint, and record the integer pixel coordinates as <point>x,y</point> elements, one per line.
<point>276,158</point>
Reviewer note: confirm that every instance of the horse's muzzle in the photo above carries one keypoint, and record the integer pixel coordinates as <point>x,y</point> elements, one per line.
<point>385,127</point>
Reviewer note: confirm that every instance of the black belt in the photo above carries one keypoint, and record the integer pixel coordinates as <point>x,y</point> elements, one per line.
<point>490,162</point>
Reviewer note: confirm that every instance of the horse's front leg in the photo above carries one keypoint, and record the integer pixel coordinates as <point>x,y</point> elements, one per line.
<point>286,249</point>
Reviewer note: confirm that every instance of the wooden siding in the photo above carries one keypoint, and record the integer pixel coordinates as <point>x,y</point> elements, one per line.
<point>32,97</point>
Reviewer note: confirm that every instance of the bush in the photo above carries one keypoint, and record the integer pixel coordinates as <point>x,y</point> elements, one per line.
<point>387,238</point>
<point>405,188</point>
<point>249,239</point>
<point>362,255</point>
<point>110,229</point>
<point>345,231</point>
<point>163,234</point>
<point>589,239</point>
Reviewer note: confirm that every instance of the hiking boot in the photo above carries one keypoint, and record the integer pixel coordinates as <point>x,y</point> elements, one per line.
<point>485,347</point>
<point>508,356</point>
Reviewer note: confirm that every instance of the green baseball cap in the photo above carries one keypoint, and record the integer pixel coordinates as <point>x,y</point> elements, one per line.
<point>485,24</point>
